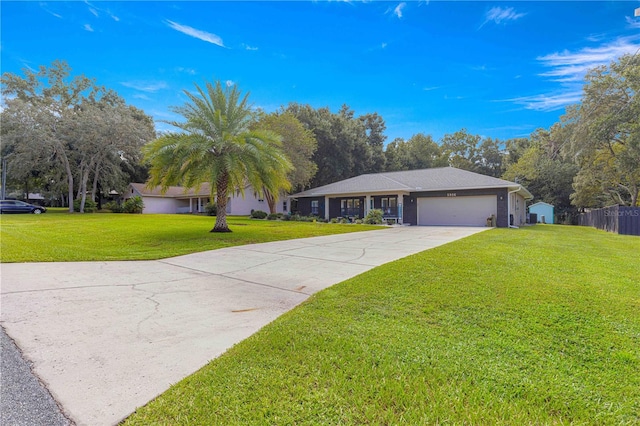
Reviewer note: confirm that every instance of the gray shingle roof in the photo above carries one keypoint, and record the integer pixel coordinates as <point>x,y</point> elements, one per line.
<point>172,191</point>
<point>436,179</point>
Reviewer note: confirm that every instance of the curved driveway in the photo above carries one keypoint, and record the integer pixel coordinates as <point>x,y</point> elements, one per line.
<point>107,337</point>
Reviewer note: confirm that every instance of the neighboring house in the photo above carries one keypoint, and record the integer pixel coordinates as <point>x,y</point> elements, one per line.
<point>543,210</point>
<point>180,200</point>
<point>438,196</point>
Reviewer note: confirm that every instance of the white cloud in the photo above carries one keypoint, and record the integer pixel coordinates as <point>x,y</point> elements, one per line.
<point>229,83</point>
<point>189,71</point>
<point>569,69</point>
<point>93,12</point>
<point>145,86</point>
<point>569,66</point>
<point>88,27</point>
<point>384,45</point>
<point>500,15</point>
<point>549,102</point>
<point>142,96</point>
<point>43,6</point>
<point>398,10</point>
<point>115,18</point>
<point>193,32</point>
<point>247,47</point>
<point>26,65</point>
<point>633,22</point>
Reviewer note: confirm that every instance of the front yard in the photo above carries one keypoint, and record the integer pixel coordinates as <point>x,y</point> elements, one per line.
<point>62,237</point>
<point>532,326</point>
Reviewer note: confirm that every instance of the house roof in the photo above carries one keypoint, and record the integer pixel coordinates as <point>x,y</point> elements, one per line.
<point>540,203</point>
<point>172,191</point>
<point>436,179</point>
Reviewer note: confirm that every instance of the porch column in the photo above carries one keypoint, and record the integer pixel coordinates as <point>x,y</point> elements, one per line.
<point>190,205</point>
<point>326,207</point>
<point>367,204</point>
<point>400,207</point>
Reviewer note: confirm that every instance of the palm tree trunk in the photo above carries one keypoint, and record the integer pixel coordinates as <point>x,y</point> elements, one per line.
<point>221,200</point>
<point>271,200</point>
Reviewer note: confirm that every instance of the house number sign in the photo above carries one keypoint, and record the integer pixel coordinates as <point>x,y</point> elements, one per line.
<point>451,194</point>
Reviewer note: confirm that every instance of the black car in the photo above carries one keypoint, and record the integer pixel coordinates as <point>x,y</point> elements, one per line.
<point>15,206</point>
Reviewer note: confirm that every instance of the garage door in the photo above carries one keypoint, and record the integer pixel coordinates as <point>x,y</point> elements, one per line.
<point>459,211</point>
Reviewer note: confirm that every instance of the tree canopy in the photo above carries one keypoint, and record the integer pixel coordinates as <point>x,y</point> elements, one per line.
<point>605,139</point>
<point>298,144</point>
<point>347,145</point>
<point>69,130</point>
<point>543,170</point>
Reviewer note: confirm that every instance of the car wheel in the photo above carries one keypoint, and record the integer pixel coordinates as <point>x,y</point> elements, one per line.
<point>37,211</point>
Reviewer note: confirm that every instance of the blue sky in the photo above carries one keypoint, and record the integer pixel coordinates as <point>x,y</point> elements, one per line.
<point>499,69</point>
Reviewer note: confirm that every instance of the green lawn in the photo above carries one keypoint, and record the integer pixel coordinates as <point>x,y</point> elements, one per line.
<point>532,326</point>
<point>56,236</point>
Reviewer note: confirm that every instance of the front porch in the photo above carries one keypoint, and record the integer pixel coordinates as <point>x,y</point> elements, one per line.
<point>352,207</point>
<point>190,205</point>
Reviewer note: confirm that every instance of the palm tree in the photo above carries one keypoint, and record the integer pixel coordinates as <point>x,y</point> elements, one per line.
<point>217,146</point>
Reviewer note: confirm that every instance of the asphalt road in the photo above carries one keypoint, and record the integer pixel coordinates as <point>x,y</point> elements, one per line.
<point>23,399</point>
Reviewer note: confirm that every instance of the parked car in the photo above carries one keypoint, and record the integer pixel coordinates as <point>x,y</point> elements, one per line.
<point>15,206</point>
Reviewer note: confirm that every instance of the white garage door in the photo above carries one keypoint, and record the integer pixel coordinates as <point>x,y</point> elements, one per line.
<point>459,211</point>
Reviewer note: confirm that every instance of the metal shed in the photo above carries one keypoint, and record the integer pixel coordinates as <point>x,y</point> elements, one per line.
<point>543,209</point>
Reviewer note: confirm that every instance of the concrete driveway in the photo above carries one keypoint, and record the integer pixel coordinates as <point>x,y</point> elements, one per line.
<point>107,337</point>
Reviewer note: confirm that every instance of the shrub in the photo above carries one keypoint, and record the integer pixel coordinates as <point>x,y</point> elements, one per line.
<point>258,214</point>
<point>272,216</point>
<point>114,207</point>
<point>133,205</point>
<point>374,217</point>
<point>334,220</point>
<point>89,205</point>
<point>286,217</point>
<point>211,209</point>
<point>297,218</point>
<point>359,221</point>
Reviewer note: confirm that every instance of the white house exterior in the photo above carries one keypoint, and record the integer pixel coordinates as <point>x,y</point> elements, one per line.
<point>543,209</point>
<point>182,200</point>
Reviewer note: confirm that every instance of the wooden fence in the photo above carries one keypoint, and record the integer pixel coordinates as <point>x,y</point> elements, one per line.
<point>619,219</point>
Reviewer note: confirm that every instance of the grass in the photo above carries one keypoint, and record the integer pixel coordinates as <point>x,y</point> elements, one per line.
<point>532,326</point>
<point>56,236</point>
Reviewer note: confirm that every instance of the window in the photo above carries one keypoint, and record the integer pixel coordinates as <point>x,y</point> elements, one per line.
<point>284,206</point>
<point>389,206</point>
<point>350,207</point>
<point>389,202</point>
<point>315,207</point>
